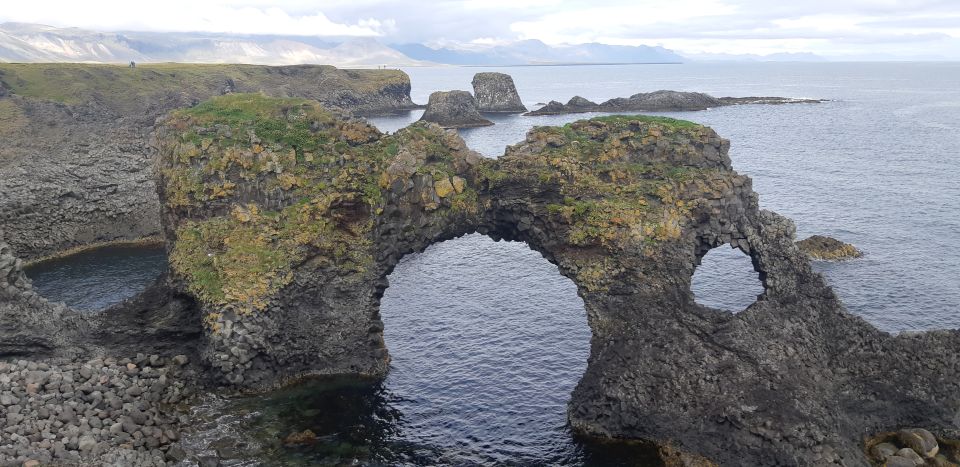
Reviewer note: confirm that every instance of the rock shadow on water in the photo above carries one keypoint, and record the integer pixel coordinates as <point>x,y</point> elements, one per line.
<point>350,421</point>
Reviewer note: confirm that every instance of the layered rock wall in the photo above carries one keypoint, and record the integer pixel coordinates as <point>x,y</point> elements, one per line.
<point>29,325</point>
<point>74,161</point>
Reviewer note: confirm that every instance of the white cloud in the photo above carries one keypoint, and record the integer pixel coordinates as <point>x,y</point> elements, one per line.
<point>185,16</point>
<point>828,27</point>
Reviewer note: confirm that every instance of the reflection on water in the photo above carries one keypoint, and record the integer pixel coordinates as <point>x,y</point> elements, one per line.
<point>95,279</point>
<point>352,422</point>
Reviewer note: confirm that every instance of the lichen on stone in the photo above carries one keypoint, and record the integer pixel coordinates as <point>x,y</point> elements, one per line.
<point>266,183</point>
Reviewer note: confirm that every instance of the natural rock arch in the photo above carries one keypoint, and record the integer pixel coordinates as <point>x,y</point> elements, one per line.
<point>730,270</point>
<point>283,221</point>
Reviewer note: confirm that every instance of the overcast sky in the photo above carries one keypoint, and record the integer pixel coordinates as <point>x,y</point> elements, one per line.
<point>835,28</point>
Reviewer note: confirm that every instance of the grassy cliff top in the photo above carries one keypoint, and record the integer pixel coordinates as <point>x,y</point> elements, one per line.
<point>258,184</point>
<point>72,83</point>
<point>230,160</point>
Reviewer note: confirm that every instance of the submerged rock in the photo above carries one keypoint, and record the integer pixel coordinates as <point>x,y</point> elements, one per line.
<point>828,249</point>
<point>659,101</point>
<point>495,92</point>
<point>453,109</point>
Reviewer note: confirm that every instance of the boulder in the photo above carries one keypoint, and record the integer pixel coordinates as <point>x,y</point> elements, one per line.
<point>495,92</point>
<point>828,249</point>
<point>921,441</point>
<point>453,109</point>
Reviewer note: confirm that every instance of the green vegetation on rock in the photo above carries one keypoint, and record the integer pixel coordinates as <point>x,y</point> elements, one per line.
<point>129,89</point>
<point>610,193</point>
<point>263,184</point>
<point>317,180</point>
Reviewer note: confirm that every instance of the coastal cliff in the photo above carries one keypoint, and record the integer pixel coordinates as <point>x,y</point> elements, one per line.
<point>284,218</point>
<point>75,167</point>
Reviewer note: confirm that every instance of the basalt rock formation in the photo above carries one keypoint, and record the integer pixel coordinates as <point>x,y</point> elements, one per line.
<point>453,109</point>
<point>828,249</point>
<point>495,92</point>
<point>29,325</point>
<point>284,219</point>
<point>659,101</point>
<point>74,162</point>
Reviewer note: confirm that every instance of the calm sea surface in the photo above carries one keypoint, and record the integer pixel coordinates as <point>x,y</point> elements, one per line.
<point>488,340</point>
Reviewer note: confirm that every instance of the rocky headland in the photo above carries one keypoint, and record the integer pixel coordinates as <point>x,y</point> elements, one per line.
<point>659,101</point>
<point>302,212</point>
<point>75,167</point>
<point>453,109</point>
<point>824,248</point>
<point>496,93</point>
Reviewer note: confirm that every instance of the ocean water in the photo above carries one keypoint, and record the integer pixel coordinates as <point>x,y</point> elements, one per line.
<point>488,340</point>
<point>95,279</point>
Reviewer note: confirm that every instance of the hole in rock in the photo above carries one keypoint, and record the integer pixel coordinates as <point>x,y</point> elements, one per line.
<point>95,279</point>
<point>726,279</point>
<point>487,342</point>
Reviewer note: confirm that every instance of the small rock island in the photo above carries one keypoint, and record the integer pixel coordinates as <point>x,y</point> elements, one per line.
<point>496,93</point>
<point>453,109</point>
<point>659,101</point>
<point>828,249</point>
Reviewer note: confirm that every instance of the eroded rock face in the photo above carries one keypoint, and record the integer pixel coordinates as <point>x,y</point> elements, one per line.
<point>659,101</point>
<point>75,168</point>
<point>453,109</point>
<point>286,228</point>
<point>828,249</point>
<point>495,92</point>
<point>29,325</point>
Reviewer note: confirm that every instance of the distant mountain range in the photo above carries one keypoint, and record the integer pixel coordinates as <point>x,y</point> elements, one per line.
<point>22,42</point>
<point>534,52</point>
<point>37,43</point>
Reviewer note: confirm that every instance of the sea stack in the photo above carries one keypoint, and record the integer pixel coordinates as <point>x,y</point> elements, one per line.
<point>495,92</point>
<point>454,109</point>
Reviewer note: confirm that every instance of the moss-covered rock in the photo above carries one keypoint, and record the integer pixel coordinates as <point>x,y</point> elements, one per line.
<point>284,220</point>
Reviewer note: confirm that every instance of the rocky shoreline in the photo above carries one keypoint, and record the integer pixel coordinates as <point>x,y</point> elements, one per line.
<point>102,411</point>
